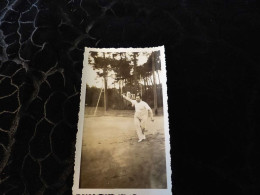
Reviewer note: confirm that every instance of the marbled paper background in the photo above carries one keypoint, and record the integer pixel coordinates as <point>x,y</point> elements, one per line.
<point>212,58</point>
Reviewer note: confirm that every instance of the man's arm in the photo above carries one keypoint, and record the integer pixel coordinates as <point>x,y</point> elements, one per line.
<point>151,114</point>
<point>150,110</point>
<point>128,99</point>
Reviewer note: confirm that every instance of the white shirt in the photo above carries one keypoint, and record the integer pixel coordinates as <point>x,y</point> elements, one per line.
<point>141,109</point>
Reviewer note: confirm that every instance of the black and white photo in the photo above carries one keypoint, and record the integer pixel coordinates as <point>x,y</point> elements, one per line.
<point>123,131</point>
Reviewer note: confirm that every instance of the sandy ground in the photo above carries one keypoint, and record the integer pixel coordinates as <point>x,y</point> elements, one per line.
<point>112,157</point>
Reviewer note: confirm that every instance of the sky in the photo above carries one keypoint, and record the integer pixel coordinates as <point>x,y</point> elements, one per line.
<point>94,80</point>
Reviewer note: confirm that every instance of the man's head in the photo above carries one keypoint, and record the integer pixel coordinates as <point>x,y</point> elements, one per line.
<point>138,98</point>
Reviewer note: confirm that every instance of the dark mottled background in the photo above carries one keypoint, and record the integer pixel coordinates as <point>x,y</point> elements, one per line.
<point>213,64</point>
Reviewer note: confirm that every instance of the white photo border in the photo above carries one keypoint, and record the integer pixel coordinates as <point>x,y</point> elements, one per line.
<point>87,191</point>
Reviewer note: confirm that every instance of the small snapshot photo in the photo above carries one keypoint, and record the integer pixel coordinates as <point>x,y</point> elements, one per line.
<point>123,130</point>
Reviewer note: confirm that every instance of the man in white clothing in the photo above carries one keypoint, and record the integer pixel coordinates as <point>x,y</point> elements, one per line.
<point>141,115</point>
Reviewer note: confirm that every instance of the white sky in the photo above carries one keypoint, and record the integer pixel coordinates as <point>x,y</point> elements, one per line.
<point>94,80</point>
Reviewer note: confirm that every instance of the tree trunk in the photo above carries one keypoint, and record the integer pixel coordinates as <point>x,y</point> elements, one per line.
<point>121,92</point>
<point>154,85</point>
<point>160,90</point>
<point>105,85</point>
<point>135,74</point>
<point>124,89</point>
<point>141,87</point>
<point>144,85</point>
<point>158,77</point>
<point>105,93</point>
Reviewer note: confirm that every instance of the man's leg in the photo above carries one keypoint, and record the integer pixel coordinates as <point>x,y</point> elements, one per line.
<point>143,124</point>
<point>138,129</point>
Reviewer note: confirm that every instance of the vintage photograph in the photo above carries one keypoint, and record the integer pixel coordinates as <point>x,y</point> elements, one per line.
<point>123,127</point>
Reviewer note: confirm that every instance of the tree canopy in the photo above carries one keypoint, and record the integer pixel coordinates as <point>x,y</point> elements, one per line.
<point>122,65</point>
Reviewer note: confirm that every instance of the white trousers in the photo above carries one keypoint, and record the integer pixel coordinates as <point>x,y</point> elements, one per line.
<point>140,125</point>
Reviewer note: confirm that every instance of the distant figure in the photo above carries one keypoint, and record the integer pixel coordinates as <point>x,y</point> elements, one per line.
<point>141,115</point>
